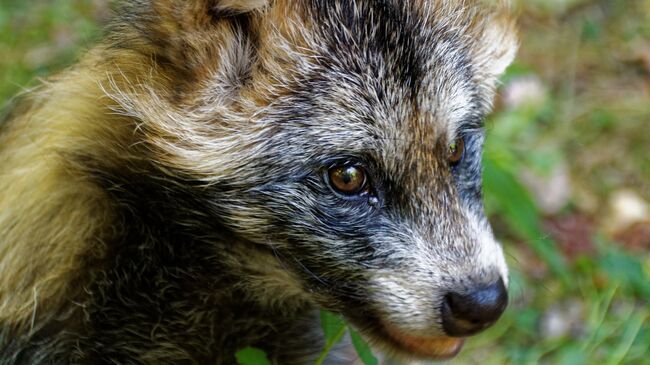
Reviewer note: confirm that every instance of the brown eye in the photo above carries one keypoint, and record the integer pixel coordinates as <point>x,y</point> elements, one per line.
<point>348,180</point>
<point>456,151</point>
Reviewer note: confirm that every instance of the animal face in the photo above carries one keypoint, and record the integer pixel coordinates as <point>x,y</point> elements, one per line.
<point>347,137</point>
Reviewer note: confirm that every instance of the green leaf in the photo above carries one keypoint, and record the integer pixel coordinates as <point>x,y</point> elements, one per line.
<point>252,356</point>
<point>363,350</point>
<point>334,328</point>
<point>332,325</point>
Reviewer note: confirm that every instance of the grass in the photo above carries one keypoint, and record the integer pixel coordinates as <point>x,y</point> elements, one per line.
<point>575,109</point>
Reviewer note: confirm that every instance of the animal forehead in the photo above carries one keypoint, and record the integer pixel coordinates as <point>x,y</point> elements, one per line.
<point>402,63</point>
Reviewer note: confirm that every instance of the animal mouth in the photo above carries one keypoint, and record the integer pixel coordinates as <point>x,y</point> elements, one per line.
<point>435,348</point>
<point>396,342</point>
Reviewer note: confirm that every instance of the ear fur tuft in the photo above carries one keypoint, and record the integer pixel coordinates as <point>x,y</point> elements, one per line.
<point>499,42</point>
<point>239,6</point>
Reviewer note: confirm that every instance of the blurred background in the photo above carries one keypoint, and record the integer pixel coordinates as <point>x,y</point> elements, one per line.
<point>567,169</point>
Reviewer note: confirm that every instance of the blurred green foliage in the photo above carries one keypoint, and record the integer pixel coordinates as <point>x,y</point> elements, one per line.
<point>590,59</point>
<point>38,37</point>
<point>579,297</point>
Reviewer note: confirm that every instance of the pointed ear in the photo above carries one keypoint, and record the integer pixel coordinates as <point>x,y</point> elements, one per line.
<point>238,6</point>
<point>498,43</point>
<point>194,14</point>
<point>184,34</point>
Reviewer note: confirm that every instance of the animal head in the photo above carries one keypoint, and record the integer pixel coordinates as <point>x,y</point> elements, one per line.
<point>346,136</point>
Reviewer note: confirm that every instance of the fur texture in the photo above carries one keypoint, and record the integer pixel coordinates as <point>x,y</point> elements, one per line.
<point>166,200</point>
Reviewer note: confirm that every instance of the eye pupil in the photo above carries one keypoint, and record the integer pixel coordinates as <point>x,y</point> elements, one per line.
<point>347,179</point>
<point>456,151</point>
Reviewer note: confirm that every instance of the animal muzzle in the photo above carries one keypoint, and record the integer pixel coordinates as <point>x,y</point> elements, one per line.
<point>467,313</point>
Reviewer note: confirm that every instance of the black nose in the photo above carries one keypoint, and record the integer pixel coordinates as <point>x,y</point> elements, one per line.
<point>471,312</point>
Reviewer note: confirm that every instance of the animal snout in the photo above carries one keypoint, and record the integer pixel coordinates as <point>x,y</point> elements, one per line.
<point>472,311</point>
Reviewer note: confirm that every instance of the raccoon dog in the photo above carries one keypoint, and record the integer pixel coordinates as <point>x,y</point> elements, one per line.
<point>216,171</point>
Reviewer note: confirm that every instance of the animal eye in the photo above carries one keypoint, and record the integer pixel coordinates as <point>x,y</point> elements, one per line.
<point>456,151</point>
<point>347,179</point>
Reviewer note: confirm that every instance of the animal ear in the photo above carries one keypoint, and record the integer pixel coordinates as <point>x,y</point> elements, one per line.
<point>238,6</point>
<point>498,43</point>
<point>194,14</point>
<point>185,34</point>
